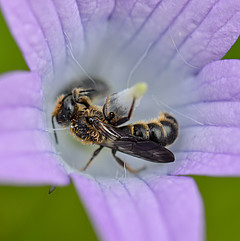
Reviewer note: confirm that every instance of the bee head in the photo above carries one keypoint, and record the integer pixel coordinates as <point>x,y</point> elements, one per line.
<point>64,109</point>
<point>63,112</point>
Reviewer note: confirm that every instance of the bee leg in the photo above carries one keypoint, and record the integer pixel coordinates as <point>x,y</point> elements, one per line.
<point>80,98</point>
<point>95,153</point>
<point>110,117</point>
<point>125,165</point>
<point>78,92</point>
<point>51,189</point>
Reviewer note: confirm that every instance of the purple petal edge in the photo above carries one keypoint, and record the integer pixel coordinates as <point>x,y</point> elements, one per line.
<point>192,32</point>
<point>42,29</point>
<point>26,154</point>
<point>212,148</point>
<point>157,208</point>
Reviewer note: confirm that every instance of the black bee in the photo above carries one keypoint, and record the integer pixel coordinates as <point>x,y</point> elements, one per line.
<point>94,124</point>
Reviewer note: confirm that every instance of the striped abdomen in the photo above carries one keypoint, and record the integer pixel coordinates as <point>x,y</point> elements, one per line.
<point>163,130</point>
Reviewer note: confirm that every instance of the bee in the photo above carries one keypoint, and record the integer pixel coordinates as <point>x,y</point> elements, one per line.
<point>93,124</point>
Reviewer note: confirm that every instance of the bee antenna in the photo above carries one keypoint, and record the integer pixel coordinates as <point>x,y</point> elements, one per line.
<point>54,131</point>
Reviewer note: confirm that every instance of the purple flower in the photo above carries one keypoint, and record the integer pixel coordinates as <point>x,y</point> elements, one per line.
<point>175,47</point>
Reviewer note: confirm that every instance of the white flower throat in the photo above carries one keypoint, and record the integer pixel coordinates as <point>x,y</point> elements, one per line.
<point>93,124</point>
<point>73,153</point>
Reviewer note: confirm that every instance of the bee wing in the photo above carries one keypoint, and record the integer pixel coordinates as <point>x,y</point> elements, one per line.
<point>134,145</point>
<point>145,149</point>
<point>118,103</point>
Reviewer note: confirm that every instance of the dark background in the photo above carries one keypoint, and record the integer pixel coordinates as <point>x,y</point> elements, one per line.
<point>30,214</point>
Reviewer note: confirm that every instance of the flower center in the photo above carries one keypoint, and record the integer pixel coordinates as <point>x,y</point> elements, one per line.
<point>114,72</point>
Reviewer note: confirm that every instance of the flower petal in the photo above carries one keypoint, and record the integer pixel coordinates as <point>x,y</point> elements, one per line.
<point>210,145</point>
<point>26,153</point>
<point>156,208</point>
<point>43,29</point>
<point>185,35</point>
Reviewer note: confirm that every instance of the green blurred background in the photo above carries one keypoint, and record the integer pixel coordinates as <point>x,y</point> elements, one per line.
<point>30,214</point>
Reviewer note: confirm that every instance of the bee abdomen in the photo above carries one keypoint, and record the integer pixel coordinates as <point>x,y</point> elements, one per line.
<point>170,128</point>
<point>139,129</point>
<point>163,130</point>
<point>127,129</point>
<point>156,133</point>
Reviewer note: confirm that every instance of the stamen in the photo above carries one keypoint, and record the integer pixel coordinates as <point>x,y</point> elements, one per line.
<point>120,103</point>
<point>135,67</point>
<point>75,60</point>
<point>139,90</point>
<point>175,111</point>
<point>184,60</point>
